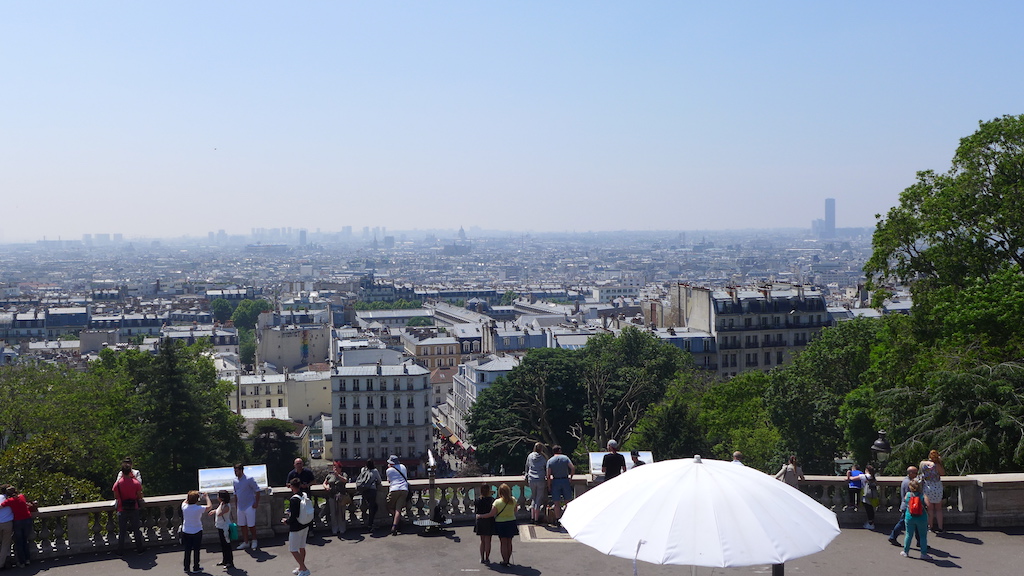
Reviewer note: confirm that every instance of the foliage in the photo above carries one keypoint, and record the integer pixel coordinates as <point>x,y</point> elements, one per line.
<point>537,401</point>
<point>221,310</point>
<point>508,298</point>
<point>621,376</point>
<point>671,428</point>
<point>420,321</point>
<point>248,312</point>
<point>734,415</point>
<point>965,224</point>
<point>246,346</point>
<point>273,445</point>
<point>400,304</point>
<point>804,397</point>
<point>47,468</point>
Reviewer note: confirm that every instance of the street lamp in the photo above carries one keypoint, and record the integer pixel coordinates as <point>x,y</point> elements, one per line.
<point>880,449</point>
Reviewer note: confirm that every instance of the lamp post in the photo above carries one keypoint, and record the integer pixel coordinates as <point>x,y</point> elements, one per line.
<point>880,450</point>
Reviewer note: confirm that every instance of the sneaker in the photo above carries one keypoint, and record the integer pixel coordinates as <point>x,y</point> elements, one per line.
<point>255,544</point>
<point>242,546</point>
<point>297,570</point>
<point>894,542</point>
<point>904,554</point>
<point>868,526</point>
<point>926,557</point>
<point>304,573</point>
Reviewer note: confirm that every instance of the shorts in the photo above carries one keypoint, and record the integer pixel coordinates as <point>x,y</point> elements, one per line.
<point>506,529</point>
<point>247,516</point>
<point>539,493</point>
<point>561,489</point>
<point>397,499</point>
<point>297,540</point>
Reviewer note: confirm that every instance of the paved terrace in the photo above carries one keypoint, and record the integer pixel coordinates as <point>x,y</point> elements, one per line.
<point>542,551</point>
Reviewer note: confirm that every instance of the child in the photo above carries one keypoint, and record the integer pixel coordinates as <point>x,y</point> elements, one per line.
<point>484,527</point>
<point>192,527</point>
<point>222,518</point>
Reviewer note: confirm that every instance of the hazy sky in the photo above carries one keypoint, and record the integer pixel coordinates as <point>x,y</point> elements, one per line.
<point>164,119</point>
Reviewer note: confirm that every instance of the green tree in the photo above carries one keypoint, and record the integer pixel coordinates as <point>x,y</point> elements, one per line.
<point>48,468</point>
<point>221,309</point>
<point>963,224</point>
<point>508,297</point>
<point>670,428</point>
<point>273,445</point>
<point>246,346</point>
<point>804,398</point>
<point>735,417</point>
<point>420,321</point>
<point>621,376</point>
<point>248,311</point>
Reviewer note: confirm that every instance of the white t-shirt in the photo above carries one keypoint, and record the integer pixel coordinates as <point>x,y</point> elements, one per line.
<point>221,520</point>
<point>192,518</point>
<point>395,479</point>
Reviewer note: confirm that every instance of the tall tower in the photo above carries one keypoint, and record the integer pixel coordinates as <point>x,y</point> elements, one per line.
<point>829,231</point>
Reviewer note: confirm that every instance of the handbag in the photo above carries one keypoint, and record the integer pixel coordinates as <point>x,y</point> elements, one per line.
<point>232,531</point>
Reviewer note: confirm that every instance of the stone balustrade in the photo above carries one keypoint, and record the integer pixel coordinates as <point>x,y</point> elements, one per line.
<point>987,500</point>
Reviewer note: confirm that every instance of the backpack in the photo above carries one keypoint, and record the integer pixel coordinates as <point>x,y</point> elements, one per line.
<point>365,480</point>
<point>306,511</point>
<point>915,506</point>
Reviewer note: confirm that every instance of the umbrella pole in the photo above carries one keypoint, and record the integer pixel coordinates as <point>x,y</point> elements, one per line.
<point>778,569</point>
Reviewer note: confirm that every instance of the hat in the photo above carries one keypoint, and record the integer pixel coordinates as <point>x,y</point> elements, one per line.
<point>634,453</point>
<point>393,460</point>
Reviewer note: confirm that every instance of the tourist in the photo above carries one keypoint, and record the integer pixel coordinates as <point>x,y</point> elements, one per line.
<point>737,458</point>
<point>247,500</point>
<point>560,471</point>
<point>128,498</point>
<point>398,491</point>
<point>128,461</point>
<point>635,455</point>
<point>853,486</point>
<point>335,484</point>
<point>367,484</point>
<point>484,527</point>
<point>297,531</point>
<point>192,528</point>
<point>221,520</point>
<point>305,475</point>
<point>932,472</point>
<point>915,524</point>
<point>791,473</point>
<point>22,524</point>
<point>504,513</point>
<point>902,523</point>
<point>6,528</point>
<point>869,495</point>
<point>536,479</point>
<point>613,463</point>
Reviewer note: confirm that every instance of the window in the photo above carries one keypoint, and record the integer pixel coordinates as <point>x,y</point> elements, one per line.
<point>451,362</point>
<point>412,418</point>
<point>355,385</point>
<point>256,390</point>
<point>746,322</point>
<point>395,386</point>
<point>369,438</point>
<point>767,358</point>
<point>343,452</point>
<point>383,401</point>
<point>280,402</point>
<point>371,453</point>
<point>398,418</point>
<point>341,385</point>
<point>255,403</point>
<point>396,403</point>
<point>357,437</point>
<point>355,403</point>
<point>280,389</point>
<point>778,357</point>
<point>369,385</point>
<point>369,402</point>
<point>383,418</point>
<point>355,421</point>
<point>343,419</point>
<point>267,389</point>
<point>341,402</point>
<point>243,404</point>
<point>343,436</point>
<point>409,403</point>
<point>437,390</point>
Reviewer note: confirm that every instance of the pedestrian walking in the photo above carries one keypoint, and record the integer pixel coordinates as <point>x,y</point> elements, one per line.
<point>902,523</point>
<point>297,531</point>
<point>560,471</point>
<point>916,518</point>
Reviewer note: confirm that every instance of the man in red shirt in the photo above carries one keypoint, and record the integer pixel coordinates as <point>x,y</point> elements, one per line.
<point>22,523</point>
<point>128,492</point>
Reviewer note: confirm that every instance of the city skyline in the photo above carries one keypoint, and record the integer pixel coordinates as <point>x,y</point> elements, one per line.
<point>163,121</point>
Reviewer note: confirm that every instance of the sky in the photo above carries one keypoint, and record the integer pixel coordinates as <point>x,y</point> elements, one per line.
<point>163,119</point>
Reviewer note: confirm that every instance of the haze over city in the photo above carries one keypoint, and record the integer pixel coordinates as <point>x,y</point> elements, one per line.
<point>164,120</point>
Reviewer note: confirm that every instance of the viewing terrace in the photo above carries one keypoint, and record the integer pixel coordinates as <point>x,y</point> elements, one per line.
<point>984,514</point>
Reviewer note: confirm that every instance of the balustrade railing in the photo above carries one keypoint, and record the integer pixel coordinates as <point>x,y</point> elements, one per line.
<point>92,527</point>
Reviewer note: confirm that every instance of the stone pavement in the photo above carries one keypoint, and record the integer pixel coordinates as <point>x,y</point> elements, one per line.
<point>541,551</point>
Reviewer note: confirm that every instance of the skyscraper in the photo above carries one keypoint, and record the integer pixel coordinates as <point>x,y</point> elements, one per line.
<point>829,231</point>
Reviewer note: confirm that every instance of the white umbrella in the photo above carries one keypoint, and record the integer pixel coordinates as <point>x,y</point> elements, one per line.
<point>700,513</point>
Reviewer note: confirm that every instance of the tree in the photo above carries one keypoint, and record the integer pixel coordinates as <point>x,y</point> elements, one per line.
<point>420,321</point>
<point>964,224</point>
<point>272,444</point>
<point>735,417</point>
<point>623,375</point>
<point>537,401</point>
<point>248,311</point>
<point>670,428</point>
<point>508,297</point>
<point>804,398</point>
<point>48,468</point>
<point>221,309</point>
